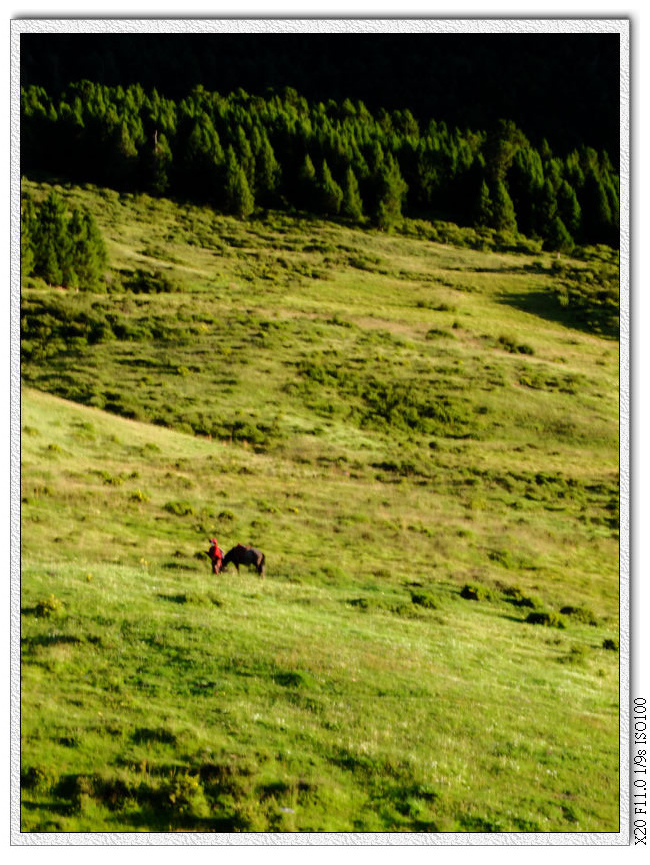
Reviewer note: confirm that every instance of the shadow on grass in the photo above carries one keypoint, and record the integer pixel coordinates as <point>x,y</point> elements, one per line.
<point>50,640</point>
<point>544,304</point>
<point>62,809</point>
<point>152,820</point>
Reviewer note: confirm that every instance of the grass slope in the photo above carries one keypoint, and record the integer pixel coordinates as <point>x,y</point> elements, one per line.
<point>426,450</point>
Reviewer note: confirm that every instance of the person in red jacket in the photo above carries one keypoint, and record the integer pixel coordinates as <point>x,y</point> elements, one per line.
<point>216,556</point>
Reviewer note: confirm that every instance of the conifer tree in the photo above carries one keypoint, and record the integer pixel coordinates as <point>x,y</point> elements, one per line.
<point>596,209</point>
<point>483,206</point>
<point>501,145</point>
<point>51,241</point>
<point>201,159</point>
<point>308,184</point>
<point>525,184</point>
<point>375,158</point>
<point>352,205</point>
<point>267,171</point>
<point>557,237</point>
<point>66,252</point>
<point>239,198</point>
<point>245,155</point>
<point>547,210</point>
<point>159,164</point>
<point>123,161</point>
<point>569,208</point>
<point>27,229</point>
<point>503,211</point>
<point>331,194</point>
<point>88,258</point>
<point>392,192</point>
<point>611,191</point>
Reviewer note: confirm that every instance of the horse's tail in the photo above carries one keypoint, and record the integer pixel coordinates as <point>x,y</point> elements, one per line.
<point>262,568</point>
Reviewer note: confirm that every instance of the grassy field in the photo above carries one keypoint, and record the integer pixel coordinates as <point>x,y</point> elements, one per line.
<point>422,438</point>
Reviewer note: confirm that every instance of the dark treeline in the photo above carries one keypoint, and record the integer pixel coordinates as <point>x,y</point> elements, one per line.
<point>337,159</point>
<point>562,87</point>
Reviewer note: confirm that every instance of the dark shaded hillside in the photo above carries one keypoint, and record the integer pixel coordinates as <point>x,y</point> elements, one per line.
<point>562,87</point>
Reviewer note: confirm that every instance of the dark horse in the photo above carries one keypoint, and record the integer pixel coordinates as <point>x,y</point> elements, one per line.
<point>241,555</point>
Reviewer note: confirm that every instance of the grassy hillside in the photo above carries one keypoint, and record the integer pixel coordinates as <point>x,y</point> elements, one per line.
<point>424,441</point>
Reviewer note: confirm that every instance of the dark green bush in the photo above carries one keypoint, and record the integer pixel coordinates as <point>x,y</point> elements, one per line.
<point>510,344</point>
<point>142,281</point>
<point>179,509</point>
<point>581,614</point>
<point>48,607</point>
<point>550,620</point>
<point>424,599</point>
<point>476,592</point>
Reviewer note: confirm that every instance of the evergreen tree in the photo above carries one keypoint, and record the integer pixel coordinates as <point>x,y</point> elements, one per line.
<point>392,193</point>
<point>245,155</point>
<point>66,252</point>
<point>331,194</point>
<point>51,241</point>
<point>267,171</point>
<point>596,209</point>
<point>123,161</point>
<point>428,179</point>
<point>375,158</point>
<point>483,206</point>
<point>503,211</point>
<point>201,159</point>
<point>27,228</point>
<point>501,145</point>
<point>573,170</point>
<point>525,184</point>
<point>547,211</point>
<point>88,254</point>
<point>611,191</point>
<point>558,238</point>
<point>308,184</point>
<point>568,208</point>
<point>239,198</point>
<point>159,164</point>
<point>352,204</point>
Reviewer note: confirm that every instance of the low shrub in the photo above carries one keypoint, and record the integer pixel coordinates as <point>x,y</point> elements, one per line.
<point>48,607</point>
<point>581,614</point>
<point>475,592</point>
<point>424,599</point>
<point>148,282</point>
<point>179,509</point>
<point>510,344</point>
<point>35,777</point>
<point>548,619</point>
<point>435,332</point>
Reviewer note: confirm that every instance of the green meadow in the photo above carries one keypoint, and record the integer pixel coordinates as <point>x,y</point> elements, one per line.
<point>420,430</point>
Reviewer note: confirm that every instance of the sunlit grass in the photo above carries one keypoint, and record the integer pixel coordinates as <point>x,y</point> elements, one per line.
<point>384,676</point>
